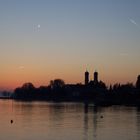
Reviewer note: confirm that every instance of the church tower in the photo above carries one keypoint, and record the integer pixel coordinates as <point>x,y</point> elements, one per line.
<point>95,77</point>
<point>86,77</point>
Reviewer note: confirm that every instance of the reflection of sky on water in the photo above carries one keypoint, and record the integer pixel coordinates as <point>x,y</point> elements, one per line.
<point>42,120</point>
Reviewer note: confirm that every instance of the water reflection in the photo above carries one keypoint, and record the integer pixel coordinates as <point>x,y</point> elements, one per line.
<point>86,118</point>
<point>95,117</point>
<point>42,120</point>
<point>138,121</point>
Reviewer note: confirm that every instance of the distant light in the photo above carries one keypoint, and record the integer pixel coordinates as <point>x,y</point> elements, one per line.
<point>38,26</point>
<point>133,21</point>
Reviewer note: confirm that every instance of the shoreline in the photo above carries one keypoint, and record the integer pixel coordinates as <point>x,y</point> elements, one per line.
<point>103,103</point>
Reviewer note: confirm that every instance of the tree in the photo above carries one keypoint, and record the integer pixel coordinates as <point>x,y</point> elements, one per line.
<point>57,83</point>
<point>138,82</point>
<point>27,91</point>
<point>102,85</point>
<point>28,86</point>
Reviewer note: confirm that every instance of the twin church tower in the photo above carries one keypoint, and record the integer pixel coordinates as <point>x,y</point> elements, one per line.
<point>95,77</point>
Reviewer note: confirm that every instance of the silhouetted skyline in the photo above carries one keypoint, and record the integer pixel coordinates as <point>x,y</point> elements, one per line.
<point>94,91</point>
<point>42,40</point>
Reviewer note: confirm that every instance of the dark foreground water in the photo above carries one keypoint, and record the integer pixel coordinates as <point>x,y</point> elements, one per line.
<point>67,121</point>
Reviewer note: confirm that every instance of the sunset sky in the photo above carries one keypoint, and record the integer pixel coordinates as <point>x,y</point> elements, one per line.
<point>41,40</point>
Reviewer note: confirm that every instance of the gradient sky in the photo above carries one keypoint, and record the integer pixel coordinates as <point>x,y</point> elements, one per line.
<point>45,39</point>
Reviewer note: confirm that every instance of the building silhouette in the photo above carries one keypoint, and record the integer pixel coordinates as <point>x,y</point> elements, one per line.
<point>91,82</point>
<point>86,77</point>
<point>95,77</point>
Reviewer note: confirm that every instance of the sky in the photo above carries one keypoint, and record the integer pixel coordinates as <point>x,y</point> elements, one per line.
<point>41,40</point>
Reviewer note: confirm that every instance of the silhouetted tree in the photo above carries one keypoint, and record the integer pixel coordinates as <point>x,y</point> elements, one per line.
<point>57,83</point>
<point>27,91</point>
<point>126,88</point>
<point>102,85</point>
<point>57,89</point>
<point>110,88</point>
<point>28,86</point>
<point>138,82</point>
<point>116,86</point>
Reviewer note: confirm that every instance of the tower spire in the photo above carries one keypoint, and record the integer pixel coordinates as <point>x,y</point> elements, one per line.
<point>95,77</point>
<point>86,77</point>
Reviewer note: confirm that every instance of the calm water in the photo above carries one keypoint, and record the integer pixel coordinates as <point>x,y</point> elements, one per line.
<point>67,121</point>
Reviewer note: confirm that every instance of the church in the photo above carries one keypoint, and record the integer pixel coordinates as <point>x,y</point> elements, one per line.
<point>95,78</point>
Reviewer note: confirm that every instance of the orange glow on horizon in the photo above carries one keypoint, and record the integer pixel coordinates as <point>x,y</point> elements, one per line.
<point>16,80</point>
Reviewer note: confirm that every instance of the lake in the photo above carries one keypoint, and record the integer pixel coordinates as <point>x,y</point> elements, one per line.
<point>67,121</point>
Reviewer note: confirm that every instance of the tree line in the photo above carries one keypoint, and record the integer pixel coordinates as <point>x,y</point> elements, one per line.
<point>98,93</point>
